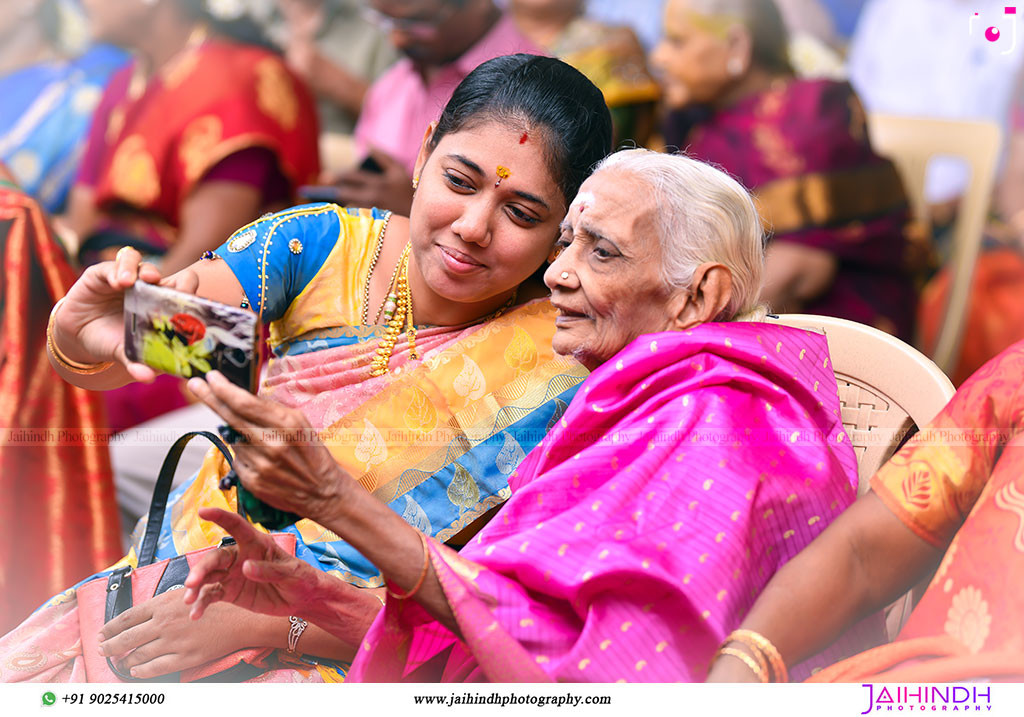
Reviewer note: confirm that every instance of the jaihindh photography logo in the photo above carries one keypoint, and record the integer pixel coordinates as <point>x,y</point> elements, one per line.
<point>928,698</point>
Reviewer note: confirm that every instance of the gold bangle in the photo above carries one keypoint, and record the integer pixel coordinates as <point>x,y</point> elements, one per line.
<point>764,647</point>
<point>747,660</point>
<point>759,657</point>
<point>82,369</point>
<point>423,574</point>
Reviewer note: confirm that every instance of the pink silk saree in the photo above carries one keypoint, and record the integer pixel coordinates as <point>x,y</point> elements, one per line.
<point>685,472</point>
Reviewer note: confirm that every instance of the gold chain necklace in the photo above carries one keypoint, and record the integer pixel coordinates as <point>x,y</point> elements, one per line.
<point>373,265</point>
<point>503,308</point>
<point>398,313</point>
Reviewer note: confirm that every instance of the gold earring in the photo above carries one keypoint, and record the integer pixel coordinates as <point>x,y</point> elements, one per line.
<point>415,183</point>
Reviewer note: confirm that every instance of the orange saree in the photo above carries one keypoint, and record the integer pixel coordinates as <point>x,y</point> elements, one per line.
<point>153,141</point>
<point>57,504</point>
<point>960,483</point>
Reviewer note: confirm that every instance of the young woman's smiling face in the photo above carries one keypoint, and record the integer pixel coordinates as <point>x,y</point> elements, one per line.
<point>473,241</point>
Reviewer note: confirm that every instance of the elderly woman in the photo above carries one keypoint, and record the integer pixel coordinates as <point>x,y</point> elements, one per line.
<point>835,208</point>
<point>700,455</point>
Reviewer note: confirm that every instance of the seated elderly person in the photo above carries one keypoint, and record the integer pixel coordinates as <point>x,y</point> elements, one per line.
<point>836,209</point>
<point>699,456</point>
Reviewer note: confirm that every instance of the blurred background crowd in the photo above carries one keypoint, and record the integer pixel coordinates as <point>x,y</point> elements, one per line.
<point>167,124</point>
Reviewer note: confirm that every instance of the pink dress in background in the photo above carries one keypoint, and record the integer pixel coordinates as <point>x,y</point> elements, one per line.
<point>400,105</point>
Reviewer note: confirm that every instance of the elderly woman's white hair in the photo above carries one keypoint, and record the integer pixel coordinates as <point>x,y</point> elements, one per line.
<point>703,215</point>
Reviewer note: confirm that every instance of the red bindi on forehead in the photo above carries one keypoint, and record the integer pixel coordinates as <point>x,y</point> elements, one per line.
<point>526,136</point>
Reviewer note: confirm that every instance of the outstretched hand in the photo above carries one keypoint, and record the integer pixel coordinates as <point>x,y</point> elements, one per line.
<point>256,573</point>
<point>282,460</point>
<point>89,326</point>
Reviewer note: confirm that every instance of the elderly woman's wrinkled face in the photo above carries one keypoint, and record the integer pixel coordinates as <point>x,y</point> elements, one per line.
<point>692,59</point>
<point>607,282</point>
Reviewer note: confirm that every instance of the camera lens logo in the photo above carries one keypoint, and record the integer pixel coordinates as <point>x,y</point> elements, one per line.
<point>994,33</point>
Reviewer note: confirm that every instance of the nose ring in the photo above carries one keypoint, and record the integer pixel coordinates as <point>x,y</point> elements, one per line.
<point>565,275</point>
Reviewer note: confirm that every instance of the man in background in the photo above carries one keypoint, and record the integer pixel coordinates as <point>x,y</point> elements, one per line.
<point>441,41</point>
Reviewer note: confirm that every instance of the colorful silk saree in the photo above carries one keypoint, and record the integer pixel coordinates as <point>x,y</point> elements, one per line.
<point>686,471</point>
<point>802,148</point>
<point>959,485</point>
<point>435,439</point>
<point>57,503</point>
<point>44,119</point>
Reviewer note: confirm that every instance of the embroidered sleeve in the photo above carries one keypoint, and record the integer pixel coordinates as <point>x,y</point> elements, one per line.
<point>276,257</point>
<point>934,481</point>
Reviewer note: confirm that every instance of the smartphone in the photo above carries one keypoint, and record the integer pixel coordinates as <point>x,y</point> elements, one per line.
<point>371,165</point>
<point>185,335</point>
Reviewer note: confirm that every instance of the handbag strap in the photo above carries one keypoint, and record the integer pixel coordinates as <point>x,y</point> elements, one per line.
<point>119,599</point>
<point>158,506</point>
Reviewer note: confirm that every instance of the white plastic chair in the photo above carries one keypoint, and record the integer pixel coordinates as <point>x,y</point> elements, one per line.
<point>911,142</point>
<point>886,387</point>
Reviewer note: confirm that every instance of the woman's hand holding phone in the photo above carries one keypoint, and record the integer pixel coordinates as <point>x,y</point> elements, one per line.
<point>89,325</point>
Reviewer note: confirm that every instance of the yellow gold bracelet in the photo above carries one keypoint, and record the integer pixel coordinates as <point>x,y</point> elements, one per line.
<point>761,674</point>
<point>423,574</point>
<point>82,369</point>
<point>764,647</point>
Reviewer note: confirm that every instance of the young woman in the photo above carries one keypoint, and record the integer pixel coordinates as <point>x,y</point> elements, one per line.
<point>432,420</point>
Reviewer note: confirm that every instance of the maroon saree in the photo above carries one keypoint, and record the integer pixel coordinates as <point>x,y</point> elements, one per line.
<point>802,149</point>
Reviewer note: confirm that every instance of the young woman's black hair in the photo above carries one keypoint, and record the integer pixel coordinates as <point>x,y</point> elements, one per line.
<point>542,95</point>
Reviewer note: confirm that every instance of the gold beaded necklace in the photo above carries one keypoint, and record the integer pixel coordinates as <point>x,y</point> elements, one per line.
<point>397,311</point>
